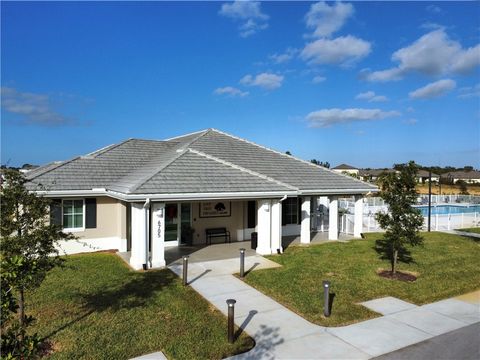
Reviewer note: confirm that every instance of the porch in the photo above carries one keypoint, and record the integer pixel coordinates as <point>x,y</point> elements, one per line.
<point>231,251</point>
<point>162,232</point>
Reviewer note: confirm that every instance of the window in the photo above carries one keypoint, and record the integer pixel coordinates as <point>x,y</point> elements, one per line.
<point>73,214</point>
<point>290,211</point>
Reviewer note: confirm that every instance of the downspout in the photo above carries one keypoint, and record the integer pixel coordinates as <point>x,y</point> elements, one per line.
<point>280,250</point>
<point>146,206</point>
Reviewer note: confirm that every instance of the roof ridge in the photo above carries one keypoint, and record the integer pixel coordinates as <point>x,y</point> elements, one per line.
<point>54,168</point>
<point>286,155</point>
<point>179,152</point>
<point>105,149</point>
<point>188,134</point>
<point>238,167</point>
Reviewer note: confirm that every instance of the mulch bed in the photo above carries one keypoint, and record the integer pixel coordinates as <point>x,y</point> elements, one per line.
<point>397,276</point>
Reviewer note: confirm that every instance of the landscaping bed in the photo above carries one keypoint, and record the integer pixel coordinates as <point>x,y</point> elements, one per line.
<point>97,308</point>
<point>445,266</point>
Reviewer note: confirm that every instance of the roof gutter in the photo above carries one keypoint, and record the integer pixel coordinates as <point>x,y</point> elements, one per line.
<point>201,196</point>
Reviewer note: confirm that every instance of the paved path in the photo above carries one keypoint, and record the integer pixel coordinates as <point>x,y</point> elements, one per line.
<point>281,334</point>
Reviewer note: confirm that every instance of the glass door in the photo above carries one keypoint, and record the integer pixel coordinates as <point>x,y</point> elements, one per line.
<point>171,222</point>
<point>186,230</point>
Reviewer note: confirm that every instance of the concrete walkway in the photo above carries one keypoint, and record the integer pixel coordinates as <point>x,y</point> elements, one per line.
<point>281,334</point>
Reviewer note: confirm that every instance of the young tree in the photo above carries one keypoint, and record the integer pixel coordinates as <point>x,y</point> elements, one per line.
<point>27,252</point>
<point>403,222</point>
<point>462,185</point>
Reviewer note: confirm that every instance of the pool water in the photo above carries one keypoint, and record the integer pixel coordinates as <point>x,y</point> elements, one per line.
<point>449,209</point>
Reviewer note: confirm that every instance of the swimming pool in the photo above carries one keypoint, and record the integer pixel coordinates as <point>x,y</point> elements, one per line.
<point>449,209</point>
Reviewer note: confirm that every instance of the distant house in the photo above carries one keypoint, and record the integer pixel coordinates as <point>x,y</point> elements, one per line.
<point>346,169</point>
<point>372,174</point>
<point>423,176</point>
<point>470,177</point>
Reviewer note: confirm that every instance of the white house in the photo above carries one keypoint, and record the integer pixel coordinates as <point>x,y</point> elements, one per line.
<point>141,196</point>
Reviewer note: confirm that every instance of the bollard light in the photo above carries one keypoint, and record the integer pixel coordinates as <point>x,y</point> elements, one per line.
<point>185,270</point>
<point>231,316</point>
<point>326,298</point>
<point>242,263</point>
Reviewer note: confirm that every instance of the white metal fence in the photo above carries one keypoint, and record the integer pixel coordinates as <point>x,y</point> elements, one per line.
<point>373,205</point>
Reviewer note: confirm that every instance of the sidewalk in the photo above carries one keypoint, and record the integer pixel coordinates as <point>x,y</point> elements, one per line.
<point>281,334</point>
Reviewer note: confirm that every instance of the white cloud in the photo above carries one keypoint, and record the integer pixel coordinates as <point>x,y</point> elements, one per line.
<point>432,54</point>
<point>288,55</point>
<point>329,117</point>
<point>370,96</point>
<point>33,108</point>
<point>411,121</point>
<point>469,92</point>
<point>318,79</point>
<point>433,9</point>
<point>230,91</point>
<point>343,50</point>
<point>325,19</point>
<point>432,90</point>
<point>267,81</point>
<point>248,13</point>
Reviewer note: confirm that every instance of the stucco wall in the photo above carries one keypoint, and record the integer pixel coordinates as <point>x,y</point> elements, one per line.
<point>110,233</point>
<point>111,220</point>
<point>233,222</point>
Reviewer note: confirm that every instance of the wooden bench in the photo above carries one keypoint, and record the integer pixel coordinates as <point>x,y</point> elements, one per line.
<point>216,233</point>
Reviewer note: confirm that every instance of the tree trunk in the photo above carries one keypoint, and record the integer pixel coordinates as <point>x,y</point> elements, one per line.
<point>394,262</point>
<point>21,309</point>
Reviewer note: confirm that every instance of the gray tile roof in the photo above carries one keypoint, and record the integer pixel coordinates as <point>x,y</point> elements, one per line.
<point>209,161</point>
<point>344,167</point>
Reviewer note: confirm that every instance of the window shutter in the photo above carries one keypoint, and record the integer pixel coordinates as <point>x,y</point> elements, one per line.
<point>251,214</point>
<point>90,213</point>
<point>56,212</point>
<point>299,210</point>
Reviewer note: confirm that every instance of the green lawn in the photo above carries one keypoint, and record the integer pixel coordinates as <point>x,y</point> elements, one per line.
<point>447,265</point>
<point>97,308</point>
<point>475,230</point>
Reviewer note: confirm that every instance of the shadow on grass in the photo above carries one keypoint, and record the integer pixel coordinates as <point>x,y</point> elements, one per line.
<point>330,302</point>
<point>136,291</point>
<point>385,251</point>
<point>251,268</point>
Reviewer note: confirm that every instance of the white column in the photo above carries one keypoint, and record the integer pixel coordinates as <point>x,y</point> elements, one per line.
<point>305,224</point>
<point>264,227</point>
<point>158,235</point>
<point>358,220</point>
<point>276,226</point>
<point>139,236</point>
<point>333,218</point>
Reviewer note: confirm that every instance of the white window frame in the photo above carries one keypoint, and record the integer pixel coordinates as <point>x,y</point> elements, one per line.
<point>76,229</point>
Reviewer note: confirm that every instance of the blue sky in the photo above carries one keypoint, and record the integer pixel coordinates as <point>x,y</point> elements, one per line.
<point>365,83</point>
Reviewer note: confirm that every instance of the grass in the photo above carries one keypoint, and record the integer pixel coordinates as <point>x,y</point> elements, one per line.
<point>473,189</point>
<point>447,265</point>
<point>97,308</point>
<point>475,230</point>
